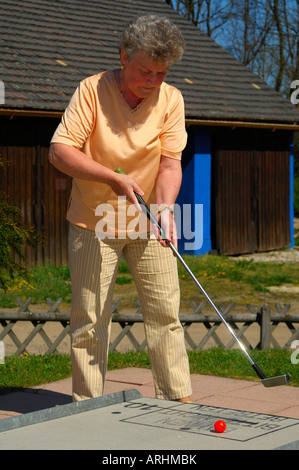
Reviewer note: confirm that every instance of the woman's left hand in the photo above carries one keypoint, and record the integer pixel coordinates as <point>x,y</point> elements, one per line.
<point>167,223</point>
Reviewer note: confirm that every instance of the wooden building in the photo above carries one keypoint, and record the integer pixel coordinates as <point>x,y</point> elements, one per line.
<point>34,184</point>
<point>238,164</point>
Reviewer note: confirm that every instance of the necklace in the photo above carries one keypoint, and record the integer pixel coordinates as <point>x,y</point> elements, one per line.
<point>131,100</point>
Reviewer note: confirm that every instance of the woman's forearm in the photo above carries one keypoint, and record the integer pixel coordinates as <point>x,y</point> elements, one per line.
<point>168,181</point>
<point>168,184</point>
<point>76,164</point>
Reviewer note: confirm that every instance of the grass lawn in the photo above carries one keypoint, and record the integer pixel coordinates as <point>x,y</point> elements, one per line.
<point>27,371</point>
<point>225,279</point>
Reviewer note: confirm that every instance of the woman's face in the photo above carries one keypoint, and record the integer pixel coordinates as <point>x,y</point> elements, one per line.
<point>141,75</point>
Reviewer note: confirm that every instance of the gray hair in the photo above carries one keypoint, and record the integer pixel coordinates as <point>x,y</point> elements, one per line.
<point>154,35</point>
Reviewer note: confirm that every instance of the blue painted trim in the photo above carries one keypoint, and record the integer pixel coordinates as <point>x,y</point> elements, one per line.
<point>196,194</point>
<point>292,210</point>
<point>202,186</point>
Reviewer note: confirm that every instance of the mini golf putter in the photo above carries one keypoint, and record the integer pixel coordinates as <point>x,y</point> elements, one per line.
<point>266,381</point>
<point>271,381</point>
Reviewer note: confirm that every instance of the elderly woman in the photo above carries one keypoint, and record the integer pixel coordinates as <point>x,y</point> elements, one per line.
<point>128,118</point>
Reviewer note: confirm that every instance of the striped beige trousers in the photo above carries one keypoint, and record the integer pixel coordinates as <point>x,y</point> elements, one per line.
<point>93,266</point>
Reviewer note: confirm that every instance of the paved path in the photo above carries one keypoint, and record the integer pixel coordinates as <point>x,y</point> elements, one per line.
<point>207,390</point>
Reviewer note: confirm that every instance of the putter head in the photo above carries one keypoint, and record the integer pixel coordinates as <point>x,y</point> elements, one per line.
<point>271,381</point>
<point>275,381</point>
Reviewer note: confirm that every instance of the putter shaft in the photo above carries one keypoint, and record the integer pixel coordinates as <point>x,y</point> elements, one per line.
<point>266,381</point>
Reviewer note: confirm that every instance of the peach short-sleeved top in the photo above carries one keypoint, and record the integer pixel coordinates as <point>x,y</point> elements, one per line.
<point>100,123</point>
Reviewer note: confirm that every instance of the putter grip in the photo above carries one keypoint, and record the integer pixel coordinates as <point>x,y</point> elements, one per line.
<point>150,216</point>
<point>145,208</point>
<point>258,371</point>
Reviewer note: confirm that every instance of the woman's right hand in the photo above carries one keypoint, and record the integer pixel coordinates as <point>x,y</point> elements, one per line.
<point>123,185</point>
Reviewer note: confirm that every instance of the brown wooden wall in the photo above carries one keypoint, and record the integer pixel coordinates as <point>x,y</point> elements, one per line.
<point>249,198</point>
<point>251,190</point>
<point>37,187</point>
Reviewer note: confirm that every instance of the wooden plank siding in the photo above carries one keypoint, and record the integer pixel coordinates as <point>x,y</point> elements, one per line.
<point>234,230</point>
<point>251,191</point>
<point>35,185</point>
<point>274,220</point>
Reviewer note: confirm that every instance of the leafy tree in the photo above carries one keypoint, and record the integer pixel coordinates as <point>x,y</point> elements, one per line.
<point>262,34</point>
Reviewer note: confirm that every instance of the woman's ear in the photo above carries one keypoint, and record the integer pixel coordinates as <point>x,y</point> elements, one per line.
<point>123,58</point>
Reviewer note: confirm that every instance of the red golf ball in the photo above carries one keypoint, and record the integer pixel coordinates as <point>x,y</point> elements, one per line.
<point>220,426</point>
